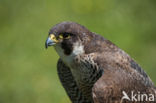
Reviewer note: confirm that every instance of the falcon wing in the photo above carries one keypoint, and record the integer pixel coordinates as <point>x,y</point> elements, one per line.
<point>119,77</point>
<point>108,88</point>
<point>113,87</point>
<point>69,83</point>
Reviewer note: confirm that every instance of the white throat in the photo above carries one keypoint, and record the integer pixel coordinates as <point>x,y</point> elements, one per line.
<point>78,49</point>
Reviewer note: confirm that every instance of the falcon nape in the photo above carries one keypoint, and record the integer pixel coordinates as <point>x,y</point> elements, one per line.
<point>94,70</point>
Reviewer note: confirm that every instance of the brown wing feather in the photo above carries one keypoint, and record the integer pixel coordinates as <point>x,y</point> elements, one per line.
<point>109,88</point>
<point>121,73</point>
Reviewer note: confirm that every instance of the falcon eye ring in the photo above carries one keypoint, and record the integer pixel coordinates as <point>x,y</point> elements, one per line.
<point>61,36</point>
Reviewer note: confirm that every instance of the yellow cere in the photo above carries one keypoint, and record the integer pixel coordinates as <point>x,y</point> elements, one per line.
<point>52,37</point>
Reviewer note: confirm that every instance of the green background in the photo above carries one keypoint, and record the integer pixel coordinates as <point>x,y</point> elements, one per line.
<point>28,71</point>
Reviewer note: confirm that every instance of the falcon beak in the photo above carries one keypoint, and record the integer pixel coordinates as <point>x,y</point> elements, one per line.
<point>51,40</point>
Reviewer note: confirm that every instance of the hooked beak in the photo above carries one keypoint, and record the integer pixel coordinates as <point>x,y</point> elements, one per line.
<point>51,40</point>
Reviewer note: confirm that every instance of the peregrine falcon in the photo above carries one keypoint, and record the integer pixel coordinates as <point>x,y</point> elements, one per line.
<point>94,70</point>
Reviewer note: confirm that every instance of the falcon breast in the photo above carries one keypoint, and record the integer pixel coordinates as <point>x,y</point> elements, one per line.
<point>94,70</point>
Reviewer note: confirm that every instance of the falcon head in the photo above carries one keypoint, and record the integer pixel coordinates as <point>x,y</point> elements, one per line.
<point>68,38</point>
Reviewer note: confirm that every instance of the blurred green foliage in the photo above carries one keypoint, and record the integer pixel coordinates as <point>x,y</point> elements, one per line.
<point>28,71</point>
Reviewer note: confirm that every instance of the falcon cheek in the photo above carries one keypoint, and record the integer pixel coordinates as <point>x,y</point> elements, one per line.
<point>67,47</point>
<point>73,49</point>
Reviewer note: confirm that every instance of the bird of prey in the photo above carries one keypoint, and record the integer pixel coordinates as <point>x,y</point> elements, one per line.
<point>94,70</point>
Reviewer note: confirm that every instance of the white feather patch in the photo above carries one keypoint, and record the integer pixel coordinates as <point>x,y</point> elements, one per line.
<point>78,49</point>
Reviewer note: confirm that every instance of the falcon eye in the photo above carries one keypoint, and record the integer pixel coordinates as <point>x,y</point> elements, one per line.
<point>66,35</point>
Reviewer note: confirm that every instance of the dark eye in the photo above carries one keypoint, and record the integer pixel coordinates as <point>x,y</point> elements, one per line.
<point>66,35</point>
